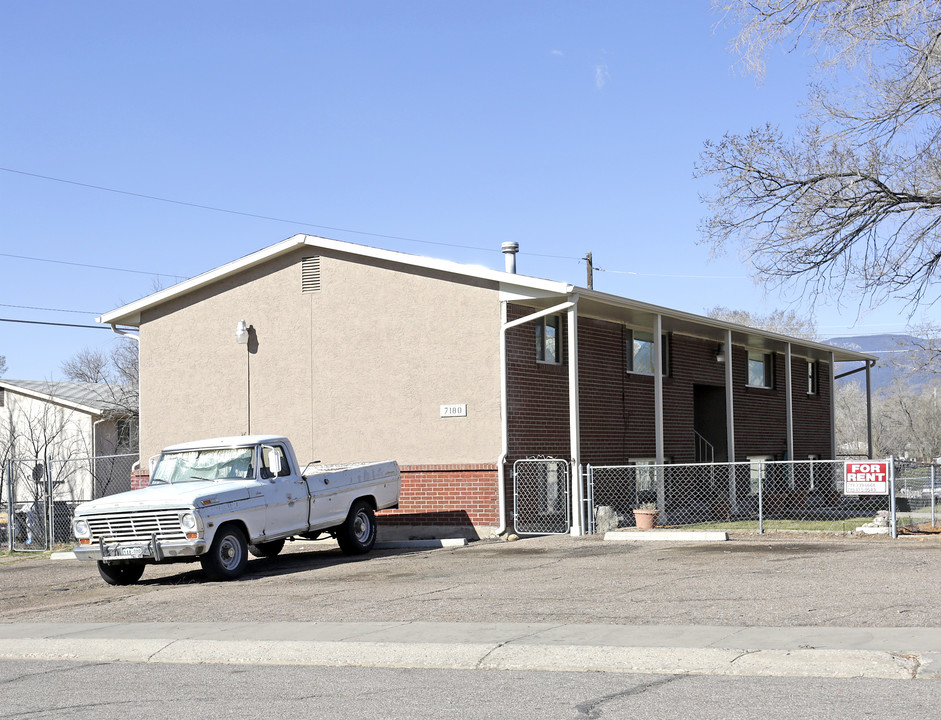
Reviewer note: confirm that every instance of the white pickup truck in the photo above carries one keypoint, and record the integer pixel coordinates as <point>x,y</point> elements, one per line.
<point>218,500</point>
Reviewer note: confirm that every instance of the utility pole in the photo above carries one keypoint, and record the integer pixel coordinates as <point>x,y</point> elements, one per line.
<point>587,260</point>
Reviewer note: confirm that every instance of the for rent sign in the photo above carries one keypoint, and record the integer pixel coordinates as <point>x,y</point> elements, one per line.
<point>866,478</point>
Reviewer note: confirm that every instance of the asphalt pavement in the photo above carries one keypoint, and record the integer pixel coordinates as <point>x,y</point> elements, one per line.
<point>759,607</point>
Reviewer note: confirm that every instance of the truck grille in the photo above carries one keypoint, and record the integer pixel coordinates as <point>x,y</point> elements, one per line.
<point>133,526</point>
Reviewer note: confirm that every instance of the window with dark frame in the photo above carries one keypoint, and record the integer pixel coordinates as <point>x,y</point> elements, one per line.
<point>760,369</point>
<point>549,339</point>
<point>640,353</point>
<point>123,430</point>
<point>813,374</point>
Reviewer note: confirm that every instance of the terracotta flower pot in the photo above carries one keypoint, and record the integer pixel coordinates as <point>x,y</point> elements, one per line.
<point>645,519</point>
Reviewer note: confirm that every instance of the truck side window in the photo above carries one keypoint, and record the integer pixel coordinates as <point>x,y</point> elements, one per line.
<point>266,463</point>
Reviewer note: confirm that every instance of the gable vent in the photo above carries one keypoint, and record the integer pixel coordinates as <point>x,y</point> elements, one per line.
<point>310,274</point>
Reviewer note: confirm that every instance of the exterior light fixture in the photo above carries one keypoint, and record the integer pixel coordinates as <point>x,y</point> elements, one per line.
<point>720,353</point>
<point>241,333</point>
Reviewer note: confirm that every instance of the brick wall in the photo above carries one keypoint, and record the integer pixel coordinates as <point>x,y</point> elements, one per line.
<point>446,495</point>
<point>537,393</point>
<point>462,498</point>
<point>617,407</point>
<point>139,479</point>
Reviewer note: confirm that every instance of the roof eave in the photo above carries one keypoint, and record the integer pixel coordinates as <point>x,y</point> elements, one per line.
<point>48,397</point>
<point>130,314</point>
<point>840,354</point>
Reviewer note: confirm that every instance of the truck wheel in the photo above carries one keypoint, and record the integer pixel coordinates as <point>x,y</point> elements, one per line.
<point>266,549</point>
<point>126,574</point>
<point>357,534</point>
<point>227,555</point>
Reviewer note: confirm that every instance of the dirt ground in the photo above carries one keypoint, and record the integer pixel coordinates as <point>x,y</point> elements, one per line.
<point>749,580</point>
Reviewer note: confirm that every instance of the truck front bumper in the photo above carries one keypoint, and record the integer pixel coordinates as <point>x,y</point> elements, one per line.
<point>153,551</point>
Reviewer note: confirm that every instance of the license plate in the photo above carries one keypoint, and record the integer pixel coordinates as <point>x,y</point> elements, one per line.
<point>132,551</point>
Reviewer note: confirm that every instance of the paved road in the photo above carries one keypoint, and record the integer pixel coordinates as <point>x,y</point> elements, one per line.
<point>128,691</point>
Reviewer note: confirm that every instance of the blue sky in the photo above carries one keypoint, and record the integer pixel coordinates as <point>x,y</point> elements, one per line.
<point>435,128</point>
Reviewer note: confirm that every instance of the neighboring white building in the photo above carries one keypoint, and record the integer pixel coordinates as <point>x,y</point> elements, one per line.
<point>47,427</point>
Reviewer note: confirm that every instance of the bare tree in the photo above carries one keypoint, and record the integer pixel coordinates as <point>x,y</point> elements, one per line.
<point>851,202</point>
<point>3,364</point>
<point>116,372</point>
<point>921,352</point>
<point>906,422</point>
<point>87,365</point>
<point>785,322</point>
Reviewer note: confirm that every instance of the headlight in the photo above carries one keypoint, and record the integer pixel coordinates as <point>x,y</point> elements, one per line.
<point>80,528</point>
<point>190,525</point>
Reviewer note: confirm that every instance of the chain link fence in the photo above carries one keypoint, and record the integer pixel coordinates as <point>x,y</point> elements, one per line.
<point>541,496</point>
<point>760,496</point>
<point>39,498</point>
<point>917,495</point>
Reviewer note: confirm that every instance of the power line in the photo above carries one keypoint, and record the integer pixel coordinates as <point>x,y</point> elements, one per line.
<point>330,228</point>
<point>664,275</point>
<point>264,217</point>
<point>30,307</point>
<point>86,265</point>
<point>56,324</point>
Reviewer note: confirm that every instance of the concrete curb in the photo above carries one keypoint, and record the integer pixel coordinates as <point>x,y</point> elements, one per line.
<point>887,653</point>
<point>666,536</point>
<point>404,544</point>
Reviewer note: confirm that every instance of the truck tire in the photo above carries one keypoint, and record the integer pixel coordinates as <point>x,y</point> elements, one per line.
<point>266,549</point>
<point>227,555</point>
<point>126,574</point>
<point>357,534</point>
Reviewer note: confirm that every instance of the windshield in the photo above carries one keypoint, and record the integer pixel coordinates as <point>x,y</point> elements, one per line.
<point>215,464</point>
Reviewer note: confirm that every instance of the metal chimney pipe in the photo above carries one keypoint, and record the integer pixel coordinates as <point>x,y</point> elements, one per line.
<point>509,251</point>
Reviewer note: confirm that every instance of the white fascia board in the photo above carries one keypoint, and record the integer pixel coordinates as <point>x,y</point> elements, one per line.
<point>525,286</point>
<point>47,397</point>
<point>130,314</point>
<point>721,324</point>
<point>511,291</point>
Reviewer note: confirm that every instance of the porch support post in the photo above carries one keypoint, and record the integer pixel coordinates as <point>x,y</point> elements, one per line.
<point>832,407</point>
<point>789,404</point>
<point>658,404</point>
<point>869,409</point>
<point>574,437</point>
<point>789,412</point>
<point>730,415</point>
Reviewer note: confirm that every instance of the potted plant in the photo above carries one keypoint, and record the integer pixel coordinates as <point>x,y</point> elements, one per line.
<point>645,516</point>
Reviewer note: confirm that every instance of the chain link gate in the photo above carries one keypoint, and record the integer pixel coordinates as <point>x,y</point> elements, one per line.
<point>541,496</point>
<point>40,498</point>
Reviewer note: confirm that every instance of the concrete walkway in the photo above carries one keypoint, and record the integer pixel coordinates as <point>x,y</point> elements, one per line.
<point>894,653</point>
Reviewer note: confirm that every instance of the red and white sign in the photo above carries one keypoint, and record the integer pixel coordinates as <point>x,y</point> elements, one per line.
<point>866,477</point>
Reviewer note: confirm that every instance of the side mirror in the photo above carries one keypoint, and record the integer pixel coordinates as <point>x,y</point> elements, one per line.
<point>273,457</point>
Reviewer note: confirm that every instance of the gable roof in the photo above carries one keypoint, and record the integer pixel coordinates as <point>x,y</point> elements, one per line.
<point>512,286</point>
<point>91,398</point>
<point>130,314</point>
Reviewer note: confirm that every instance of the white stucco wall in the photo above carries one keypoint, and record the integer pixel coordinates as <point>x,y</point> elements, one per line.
<point>356,371</point>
